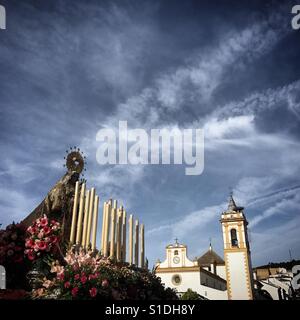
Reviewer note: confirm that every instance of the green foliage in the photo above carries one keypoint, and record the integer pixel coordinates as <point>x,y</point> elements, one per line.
<point>190,295</point>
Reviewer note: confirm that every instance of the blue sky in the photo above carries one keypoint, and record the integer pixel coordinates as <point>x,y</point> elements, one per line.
<point>232,68</point>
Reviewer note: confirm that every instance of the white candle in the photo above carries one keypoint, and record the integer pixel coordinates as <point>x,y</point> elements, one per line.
<point>136,245</point>
<point>95,222</point>
<point>119,233</point>
<point>74,215</point>
<point>81,205</point>
<point>142,246</point>
<point>86,216</point>
<point>112,232</point>
<point>103,227</point>
<point>124,237</point>
<point>131,239</point>
<point>90,219</point>
<point>106,229</point>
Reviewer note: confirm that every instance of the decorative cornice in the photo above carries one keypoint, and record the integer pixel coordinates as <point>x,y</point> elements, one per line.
<point>178,269</point>
<point>223,220</point>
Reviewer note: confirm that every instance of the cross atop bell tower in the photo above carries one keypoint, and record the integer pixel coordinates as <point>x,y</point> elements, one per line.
<point>237,252</point>
<point>231,204</point>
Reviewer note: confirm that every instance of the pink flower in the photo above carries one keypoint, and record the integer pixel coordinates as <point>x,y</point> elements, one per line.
<point>29,243</point>
<point>47,283</point>
<point>31,255</point>
<point>41,235</point>
<point>83,279</point>
<point>91,277</point>
<point>77,276</point>
<point>38,292</point>
<point>46,230</point>
<point>67,285</point>
<point>31,230</point>
<point>42,245</point>
<point>75,267</point>
<point>36,245</point>
<point>93,292</point>
<point>74,291</point>
<point>105,283</point>
<point>44,221</point>
<point>53,268</point>
<point>61,276</point>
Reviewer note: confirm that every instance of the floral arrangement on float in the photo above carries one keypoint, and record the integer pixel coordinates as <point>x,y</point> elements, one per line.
<point>41,248</point>
<point>42,241</point>
<point>89,276</point>
<point>12,245</point>
<point>78,274</point>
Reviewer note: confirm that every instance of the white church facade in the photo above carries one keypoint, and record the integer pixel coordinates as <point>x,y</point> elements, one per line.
<point>209,275</point>
<point>181,273</point>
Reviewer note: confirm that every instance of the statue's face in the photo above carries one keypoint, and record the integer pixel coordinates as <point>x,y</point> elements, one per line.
<point>74,177</point>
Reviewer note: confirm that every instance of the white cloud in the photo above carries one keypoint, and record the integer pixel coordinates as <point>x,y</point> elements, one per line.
<point>239,126</point>
<point>23,173</point>
<point>15,205</point>
<point>201,74</point>
<point>240,131</point>
<point>204,74</point>
<point>269,99</point>
<point>274,242</point>
<point>197,220</point>
<point>189,222</point>
<point>283,207</point>
<point>249,188</point>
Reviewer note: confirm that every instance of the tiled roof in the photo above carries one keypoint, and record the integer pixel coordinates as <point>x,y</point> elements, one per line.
<point>210,257</point>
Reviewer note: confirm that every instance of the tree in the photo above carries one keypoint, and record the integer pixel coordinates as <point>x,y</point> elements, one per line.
<point>190,295</point>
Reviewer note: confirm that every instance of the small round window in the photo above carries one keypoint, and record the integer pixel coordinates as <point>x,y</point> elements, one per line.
<point>176,279</point>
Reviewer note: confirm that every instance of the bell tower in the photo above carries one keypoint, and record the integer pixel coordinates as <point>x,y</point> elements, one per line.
<point>237,253</point>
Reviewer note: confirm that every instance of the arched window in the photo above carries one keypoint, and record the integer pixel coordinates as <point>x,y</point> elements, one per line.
<point>234,240</point>
<point>176,253</point>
